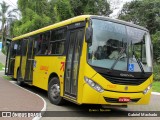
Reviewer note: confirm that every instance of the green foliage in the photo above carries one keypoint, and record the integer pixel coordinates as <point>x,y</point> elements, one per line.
<point>95,7</point>
<point>156,46</point>
<point>4,50</point>
<point>35,15</point>
<point>6,17</point>
<point>143,12</point>
<point>155,86</point>
<point>7,78</point>
<point>1,66</point>
<point>156,72</point>
<point>63,10</point>
<point>30,23</point>
<point>39,13</point>
<point>38,6</point>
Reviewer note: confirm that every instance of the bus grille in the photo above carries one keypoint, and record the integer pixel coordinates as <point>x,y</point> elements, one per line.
<point>124,81</point>
<point>116,100</point>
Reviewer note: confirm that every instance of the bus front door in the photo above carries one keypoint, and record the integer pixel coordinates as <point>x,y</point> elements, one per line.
<point>27,60</point>
<point>72,62</point>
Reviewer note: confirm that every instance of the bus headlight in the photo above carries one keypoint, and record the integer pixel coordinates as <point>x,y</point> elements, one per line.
<point>147,89</point>
<point>93,84</point>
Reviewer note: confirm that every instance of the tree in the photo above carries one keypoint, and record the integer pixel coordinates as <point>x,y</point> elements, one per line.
<point>5,16</point>
<point>35,15</point>
<point>95,7</point>
<point>40,13</point>
<point>156,46</point>
<point>143,12</point>
<point>63,10</point>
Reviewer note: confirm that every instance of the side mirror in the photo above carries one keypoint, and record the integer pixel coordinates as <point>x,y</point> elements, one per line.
<point>89,34</point>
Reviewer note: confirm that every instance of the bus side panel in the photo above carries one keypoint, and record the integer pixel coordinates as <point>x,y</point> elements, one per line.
<point>46,65</point>
<point>16,66</point>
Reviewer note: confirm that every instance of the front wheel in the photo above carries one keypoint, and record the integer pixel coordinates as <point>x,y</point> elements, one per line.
<point>54,92</point>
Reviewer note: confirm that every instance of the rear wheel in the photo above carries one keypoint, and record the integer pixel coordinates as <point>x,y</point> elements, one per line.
<point>19,82</point>
<point>54,92</point>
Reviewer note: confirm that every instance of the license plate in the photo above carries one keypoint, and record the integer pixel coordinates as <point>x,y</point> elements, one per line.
<point>124,99</point>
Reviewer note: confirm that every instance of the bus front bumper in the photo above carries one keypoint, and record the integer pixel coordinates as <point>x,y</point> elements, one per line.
<point>91,96</point>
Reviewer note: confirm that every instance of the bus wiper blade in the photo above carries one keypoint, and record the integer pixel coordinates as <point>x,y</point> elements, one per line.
<point>121,53</point>
<point>139,62</point>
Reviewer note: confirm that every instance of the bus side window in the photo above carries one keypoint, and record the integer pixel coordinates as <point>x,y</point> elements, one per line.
<point>19,47</point>
<point>38,44</point>
<point>42,43</point>
<point>50,49</point>
<point>14,48</point>
<point>58,39</point>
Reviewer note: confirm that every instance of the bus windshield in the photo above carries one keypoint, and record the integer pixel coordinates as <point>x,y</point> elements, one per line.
<point>119,47</point>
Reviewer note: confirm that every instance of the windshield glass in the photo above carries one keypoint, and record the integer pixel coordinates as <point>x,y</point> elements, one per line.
<point>119,47</point>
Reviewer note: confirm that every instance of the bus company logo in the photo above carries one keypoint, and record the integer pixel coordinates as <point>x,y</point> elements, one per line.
<point>111,86</point>
<point>45,68</point>
<point>126,75</point>
<point>62,66</point>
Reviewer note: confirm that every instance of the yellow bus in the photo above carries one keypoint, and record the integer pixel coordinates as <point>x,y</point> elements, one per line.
<point>87,59</point>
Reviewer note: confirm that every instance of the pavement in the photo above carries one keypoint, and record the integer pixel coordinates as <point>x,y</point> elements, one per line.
<point>15,98</point>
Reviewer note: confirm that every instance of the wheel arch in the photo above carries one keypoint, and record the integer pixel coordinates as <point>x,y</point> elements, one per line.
<point>51,76</point>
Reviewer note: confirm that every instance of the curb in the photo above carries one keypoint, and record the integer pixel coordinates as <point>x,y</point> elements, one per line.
<point>155,93</point>
<point>44,106</point>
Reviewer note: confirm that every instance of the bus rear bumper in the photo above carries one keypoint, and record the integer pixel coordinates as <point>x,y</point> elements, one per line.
<point>91,96</point>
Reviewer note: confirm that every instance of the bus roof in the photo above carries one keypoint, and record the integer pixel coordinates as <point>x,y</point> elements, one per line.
<point>74,20</point>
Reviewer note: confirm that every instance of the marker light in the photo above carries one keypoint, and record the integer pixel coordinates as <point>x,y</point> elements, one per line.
<point>147,89</point>
<point>93,84</point>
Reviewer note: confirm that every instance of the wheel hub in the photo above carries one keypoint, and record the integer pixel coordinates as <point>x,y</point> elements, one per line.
<point>55,91</point>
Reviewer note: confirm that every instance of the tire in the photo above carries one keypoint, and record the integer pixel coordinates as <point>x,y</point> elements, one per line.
<point>54,92</point>
<point>19,82</point>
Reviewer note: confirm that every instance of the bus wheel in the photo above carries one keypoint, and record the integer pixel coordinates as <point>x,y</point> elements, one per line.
<point>54,92</point>
<point>19,82</point>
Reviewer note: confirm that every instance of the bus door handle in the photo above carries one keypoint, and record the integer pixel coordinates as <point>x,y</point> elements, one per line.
<point>12,58</point>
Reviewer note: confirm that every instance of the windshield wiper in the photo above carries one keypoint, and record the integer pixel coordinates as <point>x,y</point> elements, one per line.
<point>121,53</point>
<point>138,61</point>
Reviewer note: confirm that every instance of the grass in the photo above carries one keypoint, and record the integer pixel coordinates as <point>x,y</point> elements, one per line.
<point>1,66</point>
<point>156,76</point>
<point>156,71</point>
<point>156,86</point>
<point>7,78</point>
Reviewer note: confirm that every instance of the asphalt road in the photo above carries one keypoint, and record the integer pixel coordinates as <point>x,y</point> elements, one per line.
<point>153,106</point>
